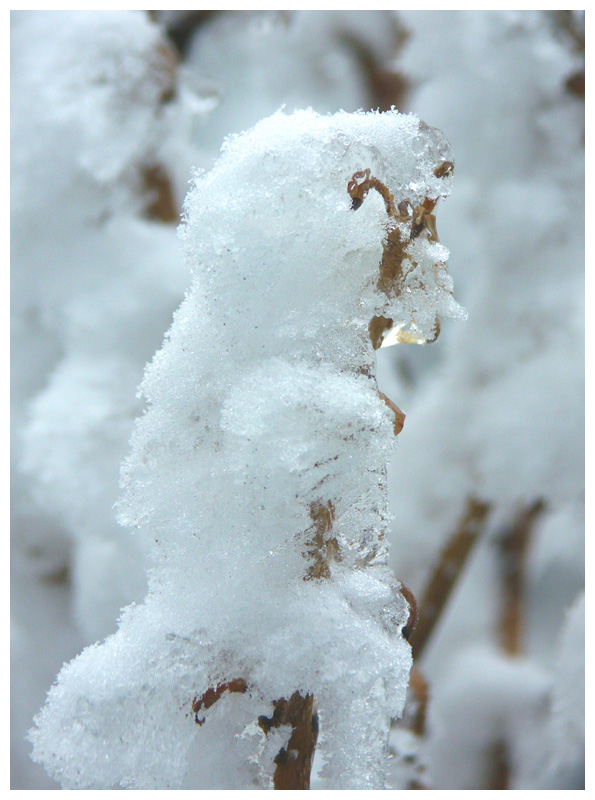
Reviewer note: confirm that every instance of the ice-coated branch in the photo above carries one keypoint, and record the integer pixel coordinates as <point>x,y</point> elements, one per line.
<point>259,470</point>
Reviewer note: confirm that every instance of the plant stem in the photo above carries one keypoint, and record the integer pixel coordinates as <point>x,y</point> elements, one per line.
<point>512,548</point>
<point>447,572</point>
<point>294,762</point>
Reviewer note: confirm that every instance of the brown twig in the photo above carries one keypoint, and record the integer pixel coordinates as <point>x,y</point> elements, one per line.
<point>570,27</point>
<point>498,765</point>
<point>431,607</point>
<point>512,550</point>
<point>210,697</point>
<point>378,327</point>
<point>399,417</point>
<point>157,188</point>
<point>396,261</point>
<point>447,571</point>
<point>294,762</point>
<point>322,548</point>
<point>513,545</point>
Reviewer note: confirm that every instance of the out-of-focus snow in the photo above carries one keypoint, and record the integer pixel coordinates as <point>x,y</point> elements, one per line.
<point>567,721</point>
<point>499,414</point>
<point>96,99</point>
<point>292,59</point>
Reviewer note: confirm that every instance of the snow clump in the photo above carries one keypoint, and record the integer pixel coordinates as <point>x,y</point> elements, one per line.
<point>259,472</point>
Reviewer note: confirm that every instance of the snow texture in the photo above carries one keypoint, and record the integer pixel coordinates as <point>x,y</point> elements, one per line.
<point>264,418</point>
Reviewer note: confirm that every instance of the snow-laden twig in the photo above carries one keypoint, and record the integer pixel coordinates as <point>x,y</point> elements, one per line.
<point>259,470</point>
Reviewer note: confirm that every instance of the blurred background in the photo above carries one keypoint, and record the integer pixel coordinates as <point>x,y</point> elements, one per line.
<point>110,113</point>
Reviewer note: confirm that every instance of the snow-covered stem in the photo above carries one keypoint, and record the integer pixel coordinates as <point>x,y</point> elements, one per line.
<point>293,762</point>
<point>102,129</point>
<point>259,471</point>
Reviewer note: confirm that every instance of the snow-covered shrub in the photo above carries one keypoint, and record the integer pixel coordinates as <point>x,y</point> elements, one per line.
<point>259,471</point>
